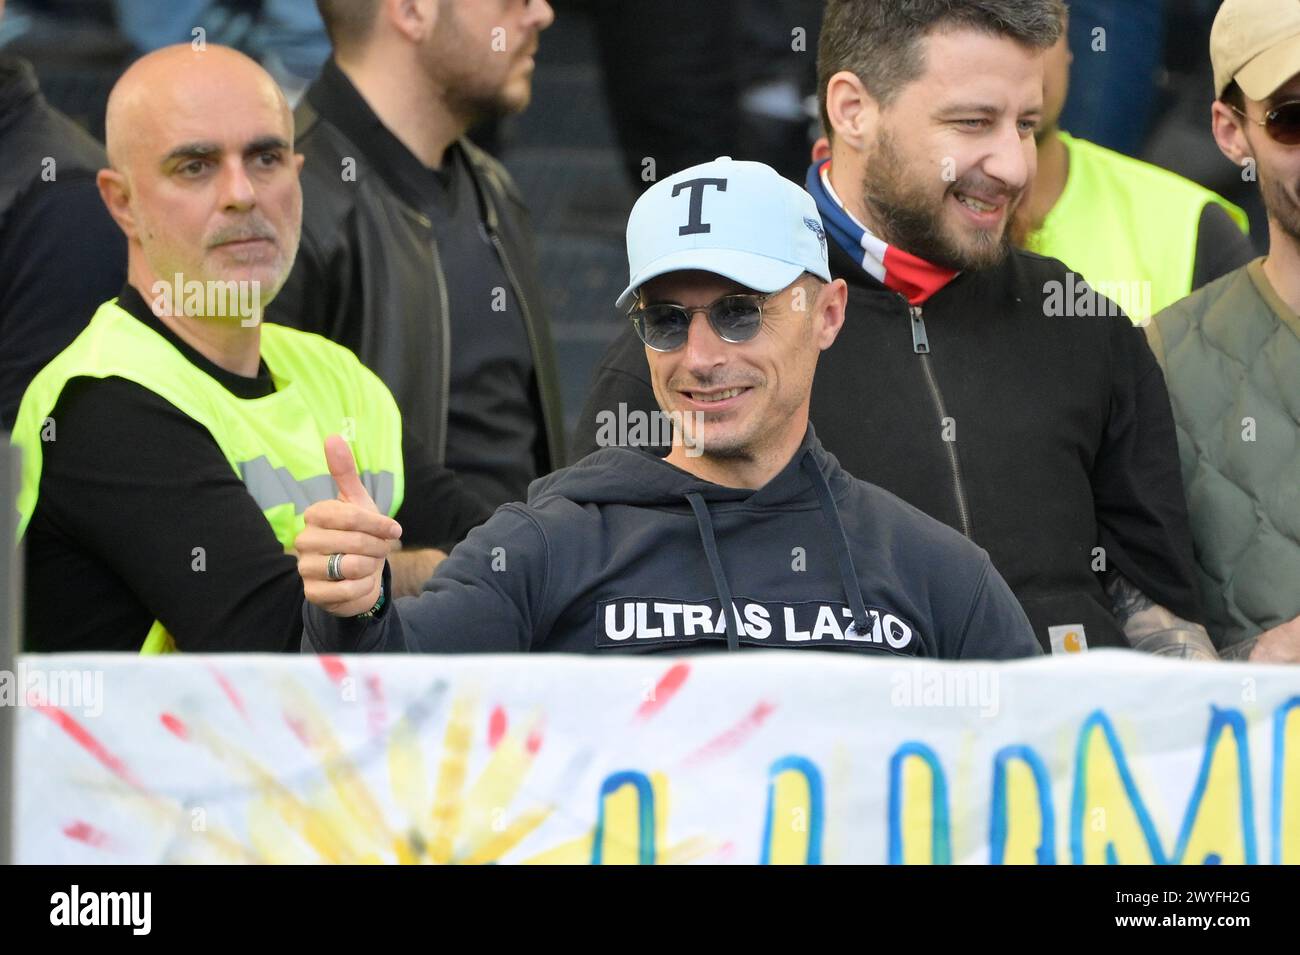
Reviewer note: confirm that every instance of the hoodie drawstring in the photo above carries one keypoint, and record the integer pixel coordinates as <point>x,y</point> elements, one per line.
<point>705,523</point>
<point>840,540</point>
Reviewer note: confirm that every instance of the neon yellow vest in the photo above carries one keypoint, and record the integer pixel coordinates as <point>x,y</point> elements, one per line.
<point>275,444</point>
<point>1128,227</point>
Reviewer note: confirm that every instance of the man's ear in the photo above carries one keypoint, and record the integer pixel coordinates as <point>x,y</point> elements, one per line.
<point>831,306</point>
<point>1230,133</point>
<point>116,193</point>
<point>851,110</point>
<point>413,19</point>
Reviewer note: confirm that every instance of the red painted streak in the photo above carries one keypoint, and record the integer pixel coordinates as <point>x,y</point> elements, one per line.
<point>299,729</point>
<point>175,726</point>
<point>85,832</point>
<point>231,693</point>
<point>534,741</point>
<point>377,714</point>
<point>664,691</point>
<point>334,668</point>
<point>732,738</point>
<point>83,738</point>
<point>496,726</point>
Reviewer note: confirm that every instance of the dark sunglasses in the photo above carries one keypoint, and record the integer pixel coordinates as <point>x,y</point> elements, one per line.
<point>735,319</point>
<point>1282,123</point>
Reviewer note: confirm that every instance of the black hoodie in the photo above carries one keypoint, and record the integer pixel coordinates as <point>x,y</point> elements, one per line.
<point>624,552</point>
<point>1048,439</point>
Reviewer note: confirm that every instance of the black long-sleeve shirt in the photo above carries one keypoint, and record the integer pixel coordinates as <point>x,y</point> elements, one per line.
<point>140,517</point>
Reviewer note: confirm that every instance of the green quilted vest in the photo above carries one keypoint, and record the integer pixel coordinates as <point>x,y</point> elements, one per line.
<point>1231,356</point>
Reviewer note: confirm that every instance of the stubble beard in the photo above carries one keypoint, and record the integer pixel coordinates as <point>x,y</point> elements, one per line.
<point>912,219</point>
<point>1282,207</point>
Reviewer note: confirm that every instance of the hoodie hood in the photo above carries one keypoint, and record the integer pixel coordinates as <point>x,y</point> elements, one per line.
<point>640,479</point>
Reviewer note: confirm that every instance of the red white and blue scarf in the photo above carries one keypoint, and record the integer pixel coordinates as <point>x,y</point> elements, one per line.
<point>910,276</point>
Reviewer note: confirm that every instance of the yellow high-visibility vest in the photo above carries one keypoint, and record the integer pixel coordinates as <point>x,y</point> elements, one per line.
<point>1128,227</point>
<point>275,444</point>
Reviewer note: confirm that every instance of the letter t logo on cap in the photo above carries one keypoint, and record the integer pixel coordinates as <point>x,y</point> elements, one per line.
<point>697,225</point>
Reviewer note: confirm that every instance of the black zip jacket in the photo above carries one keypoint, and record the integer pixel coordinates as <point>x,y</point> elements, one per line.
<point>625,553</point>
<point>368,274</point>
<point>1047,440</point>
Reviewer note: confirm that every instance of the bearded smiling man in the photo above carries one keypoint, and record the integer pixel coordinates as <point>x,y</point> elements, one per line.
<point>416,249</point>
<point>1045,439</point>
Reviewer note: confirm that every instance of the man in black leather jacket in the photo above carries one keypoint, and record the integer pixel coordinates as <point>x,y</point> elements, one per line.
<point>416,249</point>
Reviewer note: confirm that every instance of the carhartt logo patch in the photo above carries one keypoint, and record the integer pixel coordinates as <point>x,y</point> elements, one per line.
<point>1068,638</point>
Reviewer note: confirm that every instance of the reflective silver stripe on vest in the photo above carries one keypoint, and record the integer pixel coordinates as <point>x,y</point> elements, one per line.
<point>271,486</point>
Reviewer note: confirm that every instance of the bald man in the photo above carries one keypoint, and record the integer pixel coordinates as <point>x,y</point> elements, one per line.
<point>170,451</point>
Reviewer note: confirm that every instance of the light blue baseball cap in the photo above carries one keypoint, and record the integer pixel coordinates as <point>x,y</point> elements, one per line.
<point>741,220</point>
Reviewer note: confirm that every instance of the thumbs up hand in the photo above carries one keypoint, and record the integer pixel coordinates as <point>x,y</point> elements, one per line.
<point>350,526</point>
<point>343,469</point>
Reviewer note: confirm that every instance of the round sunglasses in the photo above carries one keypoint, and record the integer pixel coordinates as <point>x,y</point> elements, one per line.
<point>1281,123</point>
<point>734,318</point>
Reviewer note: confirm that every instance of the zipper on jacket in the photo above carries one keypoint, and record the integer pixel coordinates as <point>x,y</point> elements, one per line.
<point>920,343</point>
<point>444,304</point>
<point>921,346</point>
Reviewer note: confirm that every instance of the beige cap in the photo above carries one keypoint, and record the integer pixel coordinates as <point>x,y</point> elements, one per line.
<point>1256,43</point>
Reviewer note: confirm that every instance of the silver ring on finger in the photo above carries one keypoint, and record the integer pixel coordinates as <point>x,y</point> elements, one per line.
<point>334,567</point>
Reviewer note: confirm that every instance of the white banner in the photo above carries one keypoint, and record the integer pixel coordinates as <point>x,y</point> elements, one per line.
<point>780,757</point>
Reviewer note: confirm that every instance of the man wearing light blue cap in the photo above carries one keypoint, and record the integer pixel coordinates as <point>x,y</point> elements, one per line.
<point>626,552</point>
<point>738,238</point>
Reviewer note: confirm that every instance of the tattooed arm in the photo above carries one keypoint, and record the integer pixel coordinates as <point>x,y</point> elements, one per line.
<point>1240,652</point>
<point>1281,644</point>
<point>1151,628</point>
